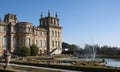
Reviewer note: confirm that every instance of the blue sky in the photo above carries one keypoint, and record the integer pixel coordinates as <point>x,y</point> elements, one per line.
<point>83,21</point>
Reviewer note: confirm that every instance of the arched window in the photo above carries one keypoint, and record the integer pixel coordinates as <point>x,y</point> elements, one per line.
<point>14,41</point>
<point>14,29</point>
<point>40,43</point>
<point>5,29</point>
<point>32,41</point>
<point>40,33</point>
<point>28,41</point>
<point>5,41</point>
<point>58,44</point>
<point>52,21</point>
<point>36,32</point>
<point>45,43</point>
<point>58,34</point>
<point>20,41</point>
<point>52,33</point>
<point>55,33</point>
<point>45,34</point>
<point>36,43</point>
<point>52,43</point>
<point>0,29</point>
<point>27,29</point>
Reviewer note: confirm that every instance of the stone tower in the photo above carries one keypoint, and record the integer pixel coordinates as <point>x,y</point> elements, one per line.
<point>10,20</point>
<point>54,35</point>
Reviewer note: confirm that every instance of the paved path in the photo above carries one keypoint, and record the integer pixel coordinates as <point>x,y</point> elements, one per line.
<point>35,67</point>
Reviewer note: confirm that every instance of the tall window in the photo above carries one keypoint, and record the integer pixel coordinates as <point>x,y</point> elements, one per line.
<point>36,32</point>
<point>0,28</point>
<point>32,41</point>
<point>36,42</point>
<point>14,41</point>
<point>55,33</point>
<point>52,43</point>
<point>27,29</point>
<point>58,34</point>
<point>45,43</point>
<point>58,44</point>
<point>20,41</point>
<point>5,29</point>
<point>40,33</point>
<point>5,41</point>
<point>45,34</point>
<point>14,29</point>
<point>28,41</point>
<point>40,43</point>
<point>52,33</point>
<point>21,29</point>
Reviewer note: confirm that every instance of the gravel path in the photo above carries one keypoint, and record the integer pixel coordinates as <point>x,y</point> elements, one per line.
<point>26,68</point>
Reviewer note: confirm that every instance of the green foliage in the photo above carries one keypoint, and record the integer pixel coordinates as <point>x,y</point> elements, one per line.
<point>72,48</point>
<point>24,51</point>
<point>65,45</point>
<point>33,50</point>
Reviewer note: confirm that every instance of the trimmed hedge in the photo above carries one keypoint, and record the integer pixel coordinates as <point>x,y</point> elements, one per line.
<point>72,67</point>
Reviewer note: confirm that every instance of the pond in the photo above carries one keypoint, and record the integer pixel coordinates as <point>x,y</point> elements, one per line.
<point>110,62</point>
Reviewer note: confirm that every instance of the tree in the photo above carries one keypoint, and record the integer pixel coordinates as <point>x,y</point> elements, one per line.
<point>24,51</point>
<point>65,45</point>
<point>33,50</point>
<point>72,48</point>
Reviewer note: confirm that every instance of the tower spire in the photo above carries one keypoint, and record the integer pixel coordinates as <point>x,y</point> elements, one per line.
<point>48,13</point>
<point>41,15</point>
<point>56,15</point>
<point>0,20</point>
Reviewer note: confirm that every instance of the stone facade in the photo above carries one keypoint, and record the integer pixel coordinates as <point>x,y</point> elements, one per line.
<point>47,36</point>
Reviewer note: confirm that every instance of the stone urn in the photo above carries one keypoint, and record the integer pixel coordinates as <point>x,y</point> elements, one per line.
<point>7,57</point>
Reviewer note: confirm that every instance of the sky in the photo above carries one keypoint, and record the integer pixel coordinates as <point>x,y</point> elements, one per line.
<point>83,21</point>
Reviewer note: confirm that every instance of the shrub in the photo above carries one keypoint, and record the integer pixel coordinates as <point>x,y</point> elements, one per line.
<point>24,51</point>
<point>33,50</point>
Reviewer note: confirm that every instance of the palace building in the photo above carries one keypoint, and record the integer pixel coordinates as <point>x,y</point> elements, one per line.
<point>47,36</point>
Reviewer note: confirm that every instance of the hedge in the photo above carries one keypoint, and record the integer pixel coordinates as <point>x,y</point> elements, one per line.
<point>72,67</point>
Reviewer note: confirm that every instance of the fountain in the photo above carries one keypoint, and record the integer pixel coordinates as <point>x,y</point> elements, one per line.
<point>90,52</point>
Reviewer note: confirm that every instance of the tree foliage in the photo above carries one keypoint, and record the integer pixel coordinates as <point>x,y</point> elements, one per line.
<point>33,50</point>
<point>72,48</point>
